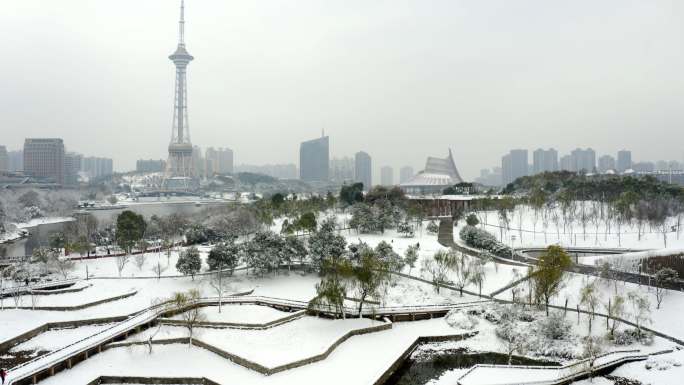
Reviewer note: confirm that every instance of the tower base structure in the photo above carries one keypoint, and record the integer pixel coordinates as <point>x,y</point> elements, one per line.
<point>181,171</point>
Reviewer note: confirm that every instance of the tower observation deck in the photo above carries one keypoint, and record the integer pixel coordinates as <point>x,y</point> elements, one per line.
<point>181,171</point>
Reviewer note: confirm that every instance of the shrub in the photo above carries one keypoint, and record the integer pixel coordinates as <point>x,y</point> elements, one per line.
<point>481,239</point>
<point>555,326</point>
<point>459,320</point>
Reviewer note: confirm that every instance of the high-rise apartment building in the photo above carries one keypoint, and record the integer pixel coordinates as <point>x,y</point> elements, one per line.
<point>674,165</point>
<point>487,178</point>
<point>4,159</point>
<point>566,163</point>
<point>45,158</point>
<point>280,171</point>
<point>624,160</point>
<point>341,169</point>
<point>314,157</point>
<point>405,174</point>
<point>387,176</point>
<point>661,165</point>
<point>513,166</point>
<point>16,160</point>
<point>70,169</point>
<point>225,159</point>
<point>220,160</point>
<point>643,166</point>
<point>606,163</point>
<point>544,160</point>
<point>362,165</point>
<point>583,160</point>
<point>96,167</point>
<point>150,165</point>
<point>73,165</point>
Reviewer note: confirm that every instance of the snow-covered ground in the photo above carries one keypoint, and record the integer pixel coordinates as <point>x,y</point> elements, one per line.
<point>290,342</point>
<point>666,320</point>
<point>361,359</point>
<point>533,236</point>
<point>243,314</point>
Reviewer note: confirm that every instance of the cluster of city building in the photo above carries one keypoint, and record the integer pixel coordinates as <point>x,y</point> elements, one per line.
<point>213,161</point>
<point>516,164</point>
<point>315,165</point>
<point>46,163</point>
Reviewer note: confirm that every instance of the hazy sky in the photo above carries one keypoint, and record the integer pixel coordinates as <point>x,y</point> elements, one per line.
<point>401,80</point>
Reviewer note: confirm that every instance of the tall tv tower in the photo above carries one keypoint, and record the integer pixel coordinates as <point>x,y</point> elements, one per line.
<point>181,171</point>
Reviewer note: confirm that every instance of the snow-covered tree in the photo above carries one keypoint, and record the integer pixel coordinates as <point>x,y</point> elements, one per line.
<point>323,244</point>
<point>158,270</point>
<point>405,228</point>
<point>589,298</point>
<point>616,310</point>
<point>337,272</point>
<point>663,279</point>
<point>224,256</point>
<point>64,266</point>
<point>437,267</point>
<point>189,262</point>
<point>640,310</point>
<point>512,337</point>
<point>264,252</point>
<point>548,274</point>
<point>186,304</point>
<point>432,227</point>
<point>219,283</point>
<point>386,253</point>
<point>294,250</point>
<point>370,278</point>
<point>411,256</point>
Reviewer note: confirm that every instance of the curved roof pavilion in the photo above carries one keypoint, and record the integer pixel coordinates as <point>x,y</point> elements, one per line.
<point>438,174</point>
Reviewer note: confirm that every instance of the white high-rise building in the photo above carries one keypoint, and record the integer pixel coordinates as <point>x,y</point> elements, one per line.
<point>387,176</point>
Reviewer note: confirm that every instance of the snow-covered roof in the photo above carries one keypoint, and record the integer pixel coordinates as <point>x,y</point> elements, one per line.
<point>437,173</point>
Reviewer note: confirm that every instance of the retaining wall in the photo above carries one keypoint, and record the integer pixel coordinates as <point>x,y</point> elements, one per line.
<point>420,340</point>
<point>151,380</point>
<point>258,367</point>
<point>227,325</point>
<point>80,307</point>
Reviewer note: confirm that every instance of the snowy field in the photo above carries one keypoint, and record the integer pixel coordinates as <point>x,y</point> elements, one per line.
<point>243,314</point>
<point>597,234</point>
<point>667,319</point>
<point>280,345</point>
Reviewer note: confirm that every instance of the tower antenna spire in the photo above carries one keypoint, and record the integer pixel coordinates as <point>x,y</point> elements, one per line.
<point>181,26</point>
<point>181,171</point>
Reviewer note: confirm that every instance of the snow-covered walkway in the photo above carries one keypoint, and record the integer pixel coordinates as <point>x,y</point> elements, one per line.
<point>544,375</point>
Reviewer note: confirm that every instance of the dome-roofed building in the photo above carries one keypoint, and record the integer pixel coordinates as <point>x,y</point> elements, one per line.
<point>437,175</point>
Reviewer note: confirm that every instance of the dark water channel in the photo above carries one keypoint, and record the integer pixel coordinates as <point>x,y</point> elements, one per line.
<point>40,233</point>
<point>424,366</point>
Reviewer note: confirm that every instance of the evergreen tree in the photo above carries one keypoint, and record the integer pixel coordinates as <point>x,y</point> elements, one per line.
<point>189,262</point>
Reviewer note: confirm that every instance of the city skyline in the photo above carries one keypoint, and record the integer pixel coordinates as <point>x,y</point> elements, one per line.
<point>262,84</point>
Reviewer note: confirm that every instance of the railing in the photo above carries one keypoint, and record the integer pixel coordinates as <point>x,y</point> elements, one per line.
<point>38,286</point>
<point>574,369</point>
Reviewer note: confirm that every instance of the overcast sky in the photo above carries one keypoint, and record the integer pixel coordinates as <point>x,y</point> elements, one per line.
<point>401,80</point>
